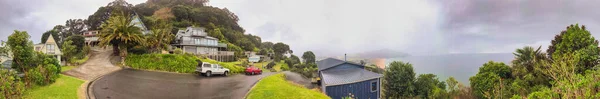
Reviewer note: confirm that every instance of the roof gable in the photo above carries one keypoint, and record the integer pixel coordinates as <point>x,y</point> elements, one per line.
<point>50,40</point>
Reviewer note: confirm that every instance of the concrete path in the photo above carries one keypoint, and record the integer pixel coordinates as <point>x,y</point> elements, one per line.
<point>97,65</point>
<point>139,84</point>
<point>299,79</point>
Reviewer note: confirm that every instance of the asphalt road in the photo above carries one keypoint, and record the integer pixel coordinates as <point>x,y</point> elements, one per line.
<point>137,84</point>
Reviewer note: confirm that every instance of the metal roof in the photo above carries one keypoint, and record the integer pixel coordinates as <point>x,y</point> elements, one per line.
<point>328,63</point>
<point>347,76</point>
<point>332,62</point>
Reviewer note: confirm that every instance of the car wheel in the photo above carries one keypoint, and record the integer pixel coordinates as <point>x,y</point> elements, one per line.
<point>225,74</point>
<point>252,73</point>
<point>208,74</point>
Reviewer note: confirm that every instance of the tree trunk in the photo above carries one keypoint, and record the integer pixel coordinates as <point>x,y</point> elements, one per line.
<point>123,54</point>
<point>116,49</point>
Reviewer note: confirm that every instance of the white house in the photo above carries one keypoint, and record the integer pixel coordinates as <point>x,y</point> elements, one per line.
<point>50,48</point>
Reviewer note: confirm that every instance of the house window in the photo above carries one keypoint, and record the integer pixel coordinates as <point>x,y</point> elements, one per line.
<point>50,49</point>
<point>374,86</point>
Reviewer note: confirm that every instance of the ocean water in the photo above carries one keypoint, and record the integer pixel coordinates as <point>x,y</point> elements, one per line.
<point>460,66</point>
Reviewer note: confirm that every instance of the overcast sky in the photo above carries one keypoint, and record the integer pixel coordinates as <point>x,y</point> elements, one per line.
<point>335,27</point>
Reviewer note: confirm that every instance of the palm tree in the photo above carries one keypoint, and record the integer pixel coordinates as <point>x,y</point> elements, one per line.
<point>120,32</point>
<point>527,59</point>
<point>160,37</point>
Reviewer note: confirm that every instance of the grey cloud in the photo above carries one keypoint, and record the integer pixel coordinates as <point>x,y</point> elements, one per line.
<point>16,16</point>
<point>472,25</point>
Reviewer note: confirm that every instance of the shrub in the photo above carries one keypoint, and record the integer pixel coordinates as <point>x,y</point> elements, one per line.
<point>163,62</point>
<point>270,65</point>
<point>10,85</point>
<point>178,51</point>
<point>46,73</point>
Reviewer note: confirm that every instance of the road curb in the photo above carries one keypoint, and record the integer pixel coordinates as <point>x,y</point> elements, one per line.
<point>254,85</point>
<point>89,87</point>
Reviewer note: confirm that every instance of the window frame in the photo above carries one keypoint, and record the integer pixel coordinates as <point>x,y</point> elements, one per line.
<point>376,86</point>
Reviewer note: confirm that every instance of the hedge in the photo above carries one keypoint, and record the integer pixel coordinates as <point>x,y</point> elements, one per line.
<point>163,62</point>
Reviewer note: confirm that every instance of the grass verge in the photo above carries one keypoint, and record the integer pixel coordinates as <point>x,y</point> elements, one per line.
<point>276,87</point>
<point>65,87</point>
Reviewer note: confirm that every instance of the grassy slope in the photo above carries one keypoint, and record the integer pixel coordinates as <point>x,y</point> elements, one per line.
<point>279,65</point>
<point>276,87</point>
<point>65,87</point>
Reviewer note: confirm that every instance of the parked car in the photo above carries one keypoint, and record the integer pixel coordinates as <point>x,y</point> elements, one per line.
<point>208,69</point>
<point>253,70</point>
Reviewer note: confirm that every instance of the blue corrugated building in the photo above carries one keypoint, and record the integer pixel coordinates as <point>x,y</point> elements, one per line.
<point>341,79</point>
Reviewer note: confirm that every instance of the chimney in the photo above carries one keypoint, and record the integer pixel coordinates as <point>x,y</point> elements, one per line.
<point>345,57</point>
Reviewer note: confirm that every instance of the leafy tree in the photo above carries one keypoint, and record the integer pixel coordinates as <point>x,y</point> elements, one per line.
<point>280,49</point>
<point>75,27</point>
<point>68,50</point>
<point>62,33</point>
<point>104,13</point>
<point>399,80</point>
<point>267,45</point>
<point>78,42</point>
<point>22,50</point>
<point>293,60</point>
<point>54,34</point>
<point>161,37</point>
<point>452,84</point>
<point>309,57</point>
<point>497,68</point>
<point>579,40</point>
<point>486,84</point>
<point>119,32</point>
<point>427,84</point>
<point>567,83</point>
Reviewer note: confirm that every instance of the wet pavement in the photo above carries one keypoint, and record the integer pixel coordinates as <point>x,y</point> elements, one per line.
<point>138,84</point>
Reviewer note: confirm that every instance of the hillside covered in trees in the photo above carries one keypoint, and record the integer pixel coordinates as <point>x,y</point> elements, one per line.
<point>219,22</point>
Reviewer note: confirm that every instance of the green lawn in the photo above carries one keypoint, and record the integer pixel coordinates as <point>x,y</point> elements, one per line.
<point>276,87</point>
<point>66,68</point>
<point>65,87</point>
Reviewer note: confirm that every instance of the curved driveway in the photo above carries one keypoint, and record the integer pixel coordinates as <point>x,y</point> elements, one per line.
<point>137,84</point>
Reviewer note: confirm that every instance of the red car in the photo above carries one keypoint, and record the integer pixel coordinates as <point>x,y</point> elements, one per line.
<point>253,70</point>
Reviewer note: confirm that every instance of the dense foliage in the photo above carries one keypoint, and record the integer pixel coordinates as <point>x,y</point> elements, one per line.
<point>163,62</point>
<point>568,70</point>
<point>399,80</point>
<point>579,40</point>
<point>11,86</point>
<point>38,68</point>
<point>309,57</point>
